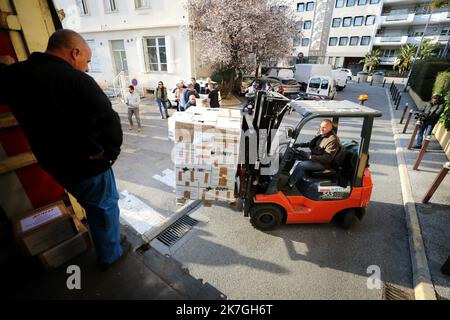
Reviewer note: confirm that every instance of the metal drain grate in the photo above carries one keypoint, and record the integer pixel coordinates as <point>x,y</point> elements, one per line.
<point>393,293</point>
<point>177,230</point>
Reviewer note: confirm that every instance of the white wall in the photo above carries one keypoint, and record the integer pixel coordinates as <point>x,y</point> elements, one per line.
<point>164,18</point>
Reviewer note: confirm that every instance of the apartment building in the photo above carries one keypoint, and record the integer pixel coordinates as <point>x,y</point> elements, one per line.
<point>404,22</point>
<point>341,32</point>
<point>141,39</point>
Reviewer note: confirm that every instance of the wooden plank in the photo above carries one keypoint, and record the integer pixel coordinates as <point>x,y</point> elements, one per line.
<point>17,162</point>
<point>7,120</point>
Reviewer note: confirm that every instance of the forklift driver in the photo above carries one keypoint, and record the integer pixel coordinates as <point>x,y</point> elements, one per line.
<point>323,150</point>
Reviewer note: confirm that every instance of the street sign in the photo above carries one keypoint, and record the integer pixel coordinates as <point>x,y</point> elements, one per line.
<point>134,82</point>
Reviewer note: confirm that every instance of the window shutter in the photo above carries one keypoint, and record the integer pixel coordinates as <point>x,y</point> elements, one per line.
<point>140,52</point>
<point>170,55</point>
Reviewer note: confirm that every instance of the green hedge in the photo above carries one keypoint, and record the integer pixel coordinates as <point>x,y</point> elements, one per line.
<point>423,75</point>
<point>442,87</point>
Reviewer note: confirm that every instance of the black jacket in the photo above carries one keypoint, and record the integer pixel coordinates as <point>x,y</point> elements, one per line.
<point>65,115</point>
<point>432,113</point>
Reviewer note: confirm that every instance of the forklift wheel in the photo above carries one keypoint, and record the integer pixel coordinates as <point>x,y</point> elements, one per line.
<point>265,216</point>
<point>347,218</point>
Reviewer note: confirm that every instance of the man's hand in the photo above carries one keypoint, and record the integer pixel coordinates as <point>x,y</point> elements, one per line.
<point>7,60</point>
<point>99,156</point>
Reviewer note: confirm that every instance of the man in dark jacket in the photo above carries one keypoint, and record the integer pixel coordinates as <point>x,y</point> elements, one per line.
<point>323,150</point>
<point>72,130</point>
<point>429,116</point>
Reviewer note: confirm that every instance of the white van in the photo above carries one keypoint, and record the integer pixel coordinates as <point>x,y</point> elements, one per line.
<point>340,78</point>
<point>321,87</point>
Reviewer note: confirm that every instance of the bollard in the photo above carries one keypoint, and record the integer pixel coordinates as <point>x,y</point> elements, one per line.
<point>371,81</point>
<point>422,152</point>
<point>404,113</point>
<point>414,134</point>
<point>407,120</point>
<point>397,93</point>
<point>392,87</point>
<point>398,101</point>
<point>358,79</point>
<point>441,175</point>
<point>384,82</point>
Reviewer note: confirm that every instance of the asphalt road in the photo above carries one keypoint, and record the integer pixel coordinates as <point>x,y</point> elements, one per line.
<point>295,261</point>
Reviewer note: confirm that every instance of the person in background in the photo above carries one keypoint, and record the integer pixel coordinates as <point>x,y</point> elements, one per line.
<point>192,102</point>
<point>429,115</point>
<point>179,96</point>
<point>132,100</point>
<point>208,82</point>
<point>73,132</point>
<point>196,85</point>
<point>161,99</point>
<point>213,96</point>
<point>191,91</point>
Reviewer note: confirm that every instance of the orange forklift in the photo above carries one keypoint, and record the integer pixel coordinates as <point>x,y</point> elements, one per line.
<point>341,193</point>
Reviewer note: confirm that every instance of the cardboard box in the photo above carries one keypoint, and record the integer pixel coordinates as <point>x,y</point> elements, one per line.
<point>230,113</point>
<point>44,228</point>
<point>217,194</point>
<point>193,176</point>
<point>187,192</point>
<point>223,176</point>
<point>177,117</point>
<point>67,250</point>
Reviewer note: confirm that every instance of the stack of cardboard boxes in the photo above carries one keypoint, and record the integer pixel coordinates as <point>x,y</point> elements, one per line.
<point>206,153</point>
<point>51,234</point>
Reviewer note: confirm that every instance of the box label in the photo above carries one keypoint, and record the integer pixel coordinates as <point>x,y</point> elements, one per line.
<point>40,218</point>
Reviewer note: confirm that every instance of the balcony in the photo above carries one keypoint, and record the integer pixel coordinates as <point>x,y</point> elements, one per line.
<point>438,17</point>
<point>397,19</point>
<point>388,60</point>
<point>433,39</point>
<point>390,40</point>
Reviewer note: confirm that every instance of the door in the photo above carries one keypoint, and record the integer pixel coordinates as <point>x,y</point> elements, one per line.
<point>119,56</point>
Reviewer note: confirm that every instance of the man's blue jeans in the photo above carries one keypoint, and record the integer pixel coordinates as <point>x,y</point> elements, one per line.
<point>301,168</point>
<point>427,128</point>
<point>99,197</point>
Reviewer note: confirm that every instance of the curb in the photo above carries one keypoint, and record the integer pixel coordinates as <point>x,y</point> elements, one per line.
<point>423,285</point>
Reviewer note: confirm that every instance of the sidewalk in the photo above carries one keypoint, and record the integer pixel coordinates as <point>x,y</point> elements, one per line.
<point>434,217</point>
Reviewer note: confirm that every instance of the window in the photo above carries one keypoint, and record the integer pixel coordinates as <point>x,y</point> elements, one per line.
<point>365,41</point>
<point>94,65</point>
<point>343,41</point>
<point>296,42</point>
<point>332,41</point>
<point>389,53</point>
<point>307,25</point>
<point>339,4</point>
<point>110,6</point>
<point>444,32</point>
<point>298,26</point>
<point>324,84</point>
<point>370,20</point>
<point>354,41</point>
<point>300,7</point>
<point>119,55</point>
<point>314,83</point>
<point>141,4</point>
<point>337,62</point>
<point>82,5</point>
<point>374,1</point>
<point>362,2</point>
<point>351,3</point>
<point>155,49</point>
<point>347,22</point>
<point>330,61</point>
<point>358,21</point>
<point>418,33</point>
<point>336,22</point>
<point>305,42</point>
<point>309,6</point>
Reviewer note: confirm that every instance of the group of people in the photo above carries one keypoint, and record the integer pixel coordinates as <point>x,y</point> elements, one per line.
<point>185,97</point>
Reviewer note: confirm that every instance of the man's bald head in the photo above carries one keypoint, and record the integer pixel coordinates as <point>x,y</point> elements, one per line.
<point>70,46</point>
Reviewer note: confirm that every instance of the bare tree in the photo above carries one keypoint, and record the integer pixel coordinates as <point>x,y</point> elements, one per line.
<point>241,35</point>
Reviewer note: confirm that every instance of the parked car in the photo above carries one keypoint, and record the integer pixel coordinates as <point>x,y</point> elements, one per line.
<point>288,86</point>
<point>348,72</point>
